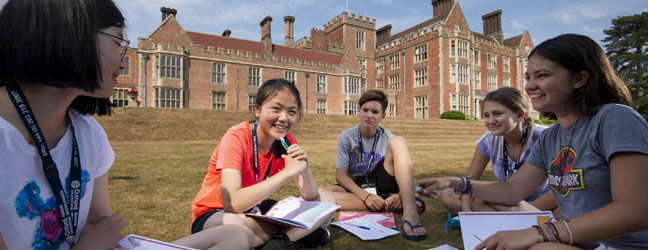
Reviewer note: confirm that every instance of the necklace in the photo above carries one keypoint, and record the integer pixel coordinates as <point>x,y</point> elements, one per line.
<point>506,170</point>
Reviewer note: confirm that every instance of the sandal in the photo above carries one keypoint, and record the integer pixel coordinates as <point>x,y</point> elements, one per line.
<point>412,238</point>
<point>422,209</point>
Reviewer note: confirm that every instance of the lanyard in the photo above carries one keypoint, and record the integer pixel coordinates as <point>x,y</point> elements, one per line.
<point>68,213</point>
<point>256,156</point>
<point>373,147</point>
<point>505,167</point>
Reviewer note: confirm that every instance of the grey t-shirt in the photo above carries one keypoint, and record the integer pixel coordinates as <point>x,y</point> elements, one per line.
<point>577,161</point>
<point>360,163</point>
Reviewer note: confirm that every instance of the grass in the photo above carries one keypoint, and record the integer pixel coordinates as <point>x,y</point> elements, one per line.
<point>162,156</point>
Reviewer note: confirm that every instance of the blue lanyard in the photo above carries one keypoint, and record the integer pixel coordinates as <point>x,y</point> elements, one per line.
<point>505,166</point>
<point>68,212</point>
<point>255,149</point>
<point>373,147</point>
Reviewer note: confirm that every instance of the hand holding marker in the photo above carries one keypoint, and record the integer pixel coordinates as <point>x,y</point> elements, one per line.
<point>421,190</point>
<point>284,144</point>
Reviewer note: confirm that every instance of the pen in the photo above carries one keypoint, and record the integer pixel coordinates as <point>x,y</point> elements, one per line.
<point>361,227</point>
<point>478,238</point>
<point>284,143</point>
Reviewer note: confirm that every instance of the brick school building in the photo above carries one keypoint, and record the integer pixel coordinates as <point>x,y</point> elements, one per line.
<point>435,66</point>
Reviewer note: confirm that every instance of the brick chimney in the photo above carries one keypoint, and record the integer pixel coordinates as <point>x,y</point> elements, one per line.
<point>493,25</point>
<point>442,7</point>
<point>290,20</point>
<point>383,34</point>
<point>227,33</point>
<point>265,35</point>
<point>166,12</point>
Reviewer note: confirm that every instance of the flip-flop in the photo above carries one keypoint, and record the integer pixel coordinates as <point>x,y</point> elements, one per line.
<point>412,238</point>
<point>422,204</point>
<point>452,222</point>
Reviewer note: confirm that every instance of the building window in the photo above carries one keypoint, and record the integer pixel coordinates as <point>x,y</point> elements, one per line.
<point>421,106</point>
<point>492,61</point>
<point>420,77</point>
<point>363,63</point>
<point>251,102</point>
<point>394,82</point>
<point>351,85</point>
<point>394,61</point>
<point>506,82</point>
<point>459,73</point>
<point>360,40</point>
<point>380,83</point>
<point>492,82</point>
<point>350,108</point>
<point>477,81</point>
<point>524,64</point>
<point>218,100</point>
<point>453,48</point>
<point>392,110</point>
<point>462,49</point>
<point>290,76</point>
<point>126,70</point>
<point>380,64</point>
<point>120,97</point>
<point>420,53</point>
<point>218,73</point>
<point>527,48</point>
<point>477,58</point>
<point>254,76</point>
<point>459,102</point>
<point>505,64</point>
<point>170,66</point>
<point>321,106</point>
<point>168,97</point>
<point>321,84</point>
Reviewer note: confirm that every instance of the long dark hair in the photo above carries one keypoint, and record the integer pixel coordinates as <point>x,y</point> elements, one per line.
<point>579,53</point>
<point>512,99</point>
<point>53,42</point>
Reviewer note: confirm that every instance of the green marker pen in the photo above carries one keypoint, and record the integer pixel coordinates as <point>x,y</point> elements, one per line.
<point>284,143</point>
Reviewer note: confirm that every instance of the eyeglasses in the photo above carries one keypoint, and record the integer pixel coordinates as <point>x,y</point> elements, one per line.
<point>123,44</point>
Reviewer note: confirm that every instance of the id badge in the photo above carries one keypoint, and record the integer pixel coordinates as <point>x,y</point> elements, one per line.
<point>368,185</point>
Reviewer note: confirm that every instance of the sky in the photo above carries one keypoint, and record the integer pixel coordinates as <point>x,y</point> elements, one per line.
<point>543,18</point>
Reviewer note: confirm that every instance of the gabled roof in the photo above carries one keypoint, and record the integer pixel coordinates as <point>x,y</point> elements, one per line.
<point>257,47</point>
<point>513,41</point>
<point>414,29</point>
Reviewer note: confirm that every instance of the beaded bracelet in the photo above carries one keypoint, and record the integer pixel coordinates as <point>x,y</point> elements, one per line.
<point>541,232</point>
<point>571,238</point>
<point>554,232</point>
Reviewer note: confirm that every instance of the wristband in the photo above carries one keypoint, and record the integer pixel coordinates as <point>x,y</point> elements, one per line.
<point>553,232</point>
<point>365,199</point>
<point>541,232</point>
<point>571,238</point>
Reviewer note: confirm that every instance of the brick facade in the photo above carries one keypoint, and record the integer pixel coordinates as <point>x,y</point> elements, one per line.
<point>434,68</point>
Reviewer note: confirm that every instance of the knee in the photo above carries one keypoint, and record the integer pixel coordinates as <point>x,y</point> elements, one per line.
<point>327,197</point>
<point>449,200</point>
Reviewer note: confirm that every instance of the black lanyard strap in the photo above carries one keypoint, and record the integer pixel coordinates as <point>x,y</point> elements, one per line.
<point>505,167</point>
<point>68,212</point>
<point>255,149</point>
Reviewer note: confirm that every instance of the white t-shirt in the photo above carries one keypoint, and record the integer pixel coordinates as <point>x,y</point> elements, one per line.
<point>27,216</point>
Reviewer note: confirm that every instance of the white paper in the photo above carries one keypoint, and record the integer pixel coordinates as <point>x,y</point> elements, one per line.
<point>444,247</point>
<point>364,229</point>
<point>137,242</point>
<point>482,225</point>
<point>371,190</point>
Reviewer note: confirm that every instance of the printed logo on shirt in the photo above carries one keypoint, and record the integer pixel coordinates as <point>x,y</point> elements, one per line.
<point>48,232</point>
<point>356,166</point>
<point>562,176</point>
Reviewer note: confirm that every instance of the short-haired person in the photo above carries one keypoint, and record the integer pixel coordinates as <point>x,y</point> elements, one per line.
<point>507,143</point>
<point>60,60</point>
<point>594,157</point>
<point>248,165</point>
<point>374,168</point>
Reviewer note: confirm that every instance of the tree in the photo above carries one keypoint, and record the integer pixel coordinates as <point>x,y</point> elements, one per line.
<point>627,48</point>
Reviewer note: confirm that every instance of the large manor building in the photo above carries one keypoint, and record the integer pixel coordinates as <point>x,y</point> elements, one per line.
<point>435,66</point>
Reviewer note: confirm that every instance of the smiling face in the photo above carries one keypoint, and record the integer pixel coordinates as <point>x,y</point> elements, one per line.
<point>371,114</point>
<point>277,115</point>
<point>550,85</point>
<point>110,60</point>
<point>499,119</point>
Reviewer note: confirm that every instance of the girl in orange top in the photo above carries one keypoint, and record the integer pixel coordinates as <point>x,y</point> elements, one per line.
<point>247,166</point>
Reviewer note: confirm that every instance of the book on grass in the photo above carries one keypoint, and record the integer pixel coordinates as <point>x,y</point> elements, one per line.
<point>137,242</point>
<point>386,219</point>
<point>296,212</point>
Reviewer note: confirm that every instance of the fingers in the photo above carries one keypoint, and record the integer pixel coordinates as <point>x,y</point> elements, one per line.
<point>297,152</point>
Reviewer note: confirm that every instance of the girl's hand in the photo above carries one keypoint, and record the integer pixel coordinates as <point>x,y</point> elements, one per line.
<point>103,235</point>
<point>374,202</point>
<point>295,151</point>
<point>394,202</point>
<point>515,239</point>
<point>432,184</point>
<point>293,165</point>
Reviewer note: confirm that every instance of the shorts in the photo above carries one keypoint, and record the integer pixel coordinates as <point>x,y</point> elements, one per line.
<point>385,183</point>
<point>200,221</point>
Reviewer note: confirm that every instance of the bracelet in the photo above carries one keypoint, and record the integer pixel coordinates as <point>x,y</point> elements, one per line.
<point>554,232</point>
<point>466,187</point>
<point>541,232</point>
<point>571,239</point>
<point>365,199</point>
